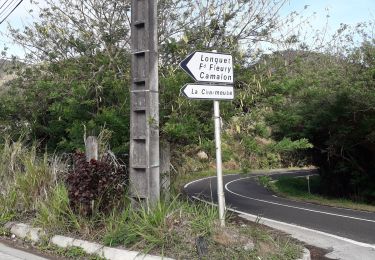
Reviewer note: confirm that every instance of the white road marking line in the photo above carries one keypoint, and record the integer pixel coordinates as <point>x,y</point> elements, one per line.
<point>292,225</point>
<point>233,174</point>
<point>289,206</point>
<point>206,178</point>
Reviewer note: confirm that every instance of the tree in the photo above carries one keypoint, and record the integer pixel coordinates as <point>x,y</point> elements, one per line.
<point>81,53</point>
<point>329,101</point>
<point>235,26</point>
<point>70,28</point>
<point>79,74</point>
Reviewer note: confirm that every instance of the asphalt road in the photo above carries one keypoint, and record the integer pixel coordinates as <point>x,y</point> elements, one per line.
<point>10,253</point>
<point>243,193</point>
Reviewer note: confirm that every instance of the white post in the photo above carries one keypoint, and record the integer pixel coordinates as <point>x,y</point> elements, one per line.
<point>219,171</point>
<point>308,183</point>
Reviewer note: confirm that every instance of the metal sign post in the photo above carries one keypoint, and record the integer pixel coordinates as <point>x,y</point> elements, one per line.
<point>211,68</point>
<point>219,170</point>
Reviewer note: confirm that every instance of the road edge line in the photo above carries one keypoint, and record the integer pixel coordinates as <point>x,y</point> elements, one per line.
<point>258,219</point>
<point>206,178</point>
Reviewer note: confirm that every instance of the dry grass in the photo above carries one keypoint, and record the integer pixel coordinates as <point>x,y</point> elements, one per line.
<point>26,178</point>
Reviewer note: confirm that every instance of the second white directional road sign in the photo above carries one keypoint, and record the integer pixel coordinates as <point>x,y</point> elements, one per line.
<point>211,92</point>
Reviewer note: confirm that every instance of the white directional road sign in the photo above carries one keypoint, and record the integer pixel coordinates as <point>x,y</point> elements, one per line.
<point>212,92</point>
<point>209,67</point>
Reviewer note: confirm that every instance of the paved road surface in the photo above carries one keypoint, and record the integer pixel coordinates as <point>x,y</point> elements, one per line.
<point>9,253</point>
<point>244,194</point>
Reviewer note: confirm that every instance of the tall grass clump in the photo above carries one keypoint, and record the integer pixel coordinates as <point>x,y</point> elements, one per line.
<point>55,213</point>
<point>161,227</point>
<point>58,216</point>
<point>26,179</point>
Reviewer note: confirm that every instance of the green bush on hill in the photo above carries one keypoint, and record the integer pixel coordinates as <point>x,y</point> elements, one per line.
<point>330,102</point>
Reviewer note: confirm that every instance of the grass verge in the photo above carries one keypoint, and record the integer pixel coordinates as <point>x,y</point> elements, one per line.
<point>176,228</point>
<point>185,230</point>
<point>32,192</point>
<point>297,189</point>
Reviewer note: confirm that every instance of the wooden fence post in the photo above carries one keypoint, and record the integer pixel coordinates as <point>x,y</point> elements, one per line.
<point>91,146</point>
<point>165,162</point>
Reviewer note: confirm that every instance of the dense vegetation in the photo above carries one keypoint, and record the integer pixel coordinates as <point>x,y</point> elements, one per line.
<point>292,108</point>
<point>330,102</point>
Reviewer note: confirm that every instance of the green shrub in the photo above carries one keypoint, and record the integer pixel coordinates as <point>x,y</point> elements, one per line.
<point>54,102</point>
<point>266,181</point>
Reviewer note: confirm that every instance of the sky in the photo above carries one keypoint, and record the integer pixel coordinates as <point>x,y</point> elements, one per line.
<point>339,11</point>
<point>18,19</point>
<point>348,12</point>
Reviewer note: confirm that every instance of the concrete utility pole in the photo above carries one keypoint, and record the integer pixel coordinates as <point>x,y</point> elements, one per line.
<point>144,124</point>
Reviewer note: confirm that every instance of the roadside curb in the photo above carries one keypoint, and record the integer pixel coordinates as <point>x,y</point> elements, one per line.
<point>37,235</point>
<point>306,254</point>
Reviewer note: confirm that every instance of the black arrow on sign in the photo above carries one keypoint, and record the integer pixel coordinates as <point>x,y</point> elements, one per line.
<point>184,63</point>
